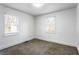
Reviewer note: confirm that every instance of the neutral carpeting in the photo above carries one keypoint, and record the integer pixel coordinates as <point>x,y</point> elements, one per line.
<point>40,47</point>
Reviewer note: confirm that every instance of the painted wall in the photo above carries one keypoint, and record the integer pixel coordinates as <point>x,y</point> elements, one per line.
<point>26,28</point>
<point>78,27</point>
<point>34,27</point>
<point>65,27</point>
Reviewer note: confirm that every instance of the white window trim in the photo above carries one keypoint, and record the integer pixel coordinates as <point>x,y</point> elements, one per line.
<point>55,25</point>
<point>10,34</point>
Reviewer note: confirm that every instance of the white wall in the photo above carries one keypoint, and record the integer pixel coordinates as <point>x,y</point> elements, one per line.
<point>78,26</point>
<point>26,28</point>
<point>65,27</point>
<point>30,27</point>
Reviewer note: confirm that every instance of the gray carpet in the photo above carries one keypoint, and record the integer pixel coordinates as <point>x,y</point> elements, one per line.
<point>40,47</point>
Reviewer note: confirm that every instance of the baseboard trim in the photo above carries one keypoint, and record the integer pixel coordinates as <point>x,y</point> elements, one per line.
<point>7,46</point>
<point>56,42</point>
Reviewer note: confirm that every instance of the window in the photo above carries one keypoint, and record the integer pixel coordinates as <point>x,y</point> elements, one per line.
<point>51,28</point>
<point>10,24</point>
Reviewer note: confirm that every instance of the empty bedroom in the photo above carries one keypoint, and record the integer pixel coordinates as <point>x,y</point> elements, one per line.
<point>39,29</point>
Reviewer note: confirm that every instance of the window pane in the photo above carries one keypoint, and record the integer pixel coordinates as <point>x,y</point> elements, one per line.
<point>10,24</point>
<point>51,28</point>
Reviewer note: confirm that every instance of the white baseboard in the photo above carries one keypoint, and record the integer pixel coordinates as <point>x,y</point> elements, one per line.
<point>56,42</point>
<point>9,45</point>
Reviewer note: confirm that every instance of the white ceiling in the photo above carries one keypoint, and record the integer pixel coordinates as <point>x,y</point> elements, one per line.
<point>47,8</point>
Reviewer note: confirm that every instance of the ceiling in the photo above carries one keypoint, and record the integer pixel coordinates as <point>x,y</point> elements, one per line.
<point>47,8</point>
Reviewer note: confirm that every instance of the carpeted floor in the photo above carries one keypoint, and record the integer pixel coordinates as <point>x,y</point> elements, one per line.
<point>40,47</point>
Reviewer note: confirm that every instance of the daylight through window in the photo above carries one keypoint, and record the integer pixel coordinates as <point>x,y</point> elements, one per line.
<point>10,24</point>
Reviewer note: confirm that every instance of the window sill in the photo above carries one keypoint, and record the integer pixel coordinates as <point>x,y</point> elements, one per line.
<point>10,34</point>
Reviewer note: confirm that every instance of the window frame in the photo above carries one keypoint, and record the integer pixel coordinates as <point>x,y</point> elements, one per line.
<point>48,24</point>
<point>12,33</point>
